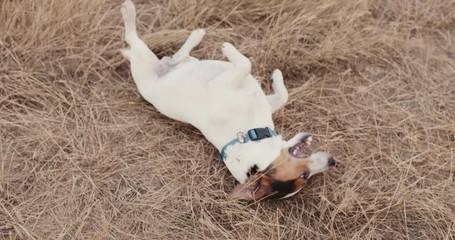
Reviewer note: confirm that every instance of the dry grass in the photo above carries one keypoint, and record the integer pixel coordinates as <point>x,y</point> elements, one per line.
<point>83,156</point>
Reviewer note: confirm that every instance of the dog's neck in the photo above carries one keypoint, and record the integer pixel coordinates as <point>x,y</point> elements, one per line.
<point>242,157</point>
<point>220,134</point>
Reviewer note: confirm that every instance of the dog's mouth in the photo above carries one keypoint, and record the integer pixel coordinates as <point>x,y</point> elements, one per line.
<point>300,150</point>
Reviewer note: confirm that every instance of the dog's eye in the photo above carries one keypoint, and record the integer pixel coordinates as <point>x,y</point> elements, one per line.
<point>305,175</point>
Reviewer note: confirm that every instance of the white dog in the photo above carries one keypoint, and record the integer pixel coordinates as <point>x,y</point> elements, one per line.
<point>226,103</point>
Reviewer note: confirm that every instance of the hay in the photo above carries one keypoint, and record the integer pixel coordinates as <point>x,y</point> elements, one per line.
<point>83,156</point>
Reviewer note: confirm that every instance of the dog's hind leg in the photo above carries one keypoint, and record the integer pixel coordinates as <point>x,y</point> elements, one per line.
<point>280,94</point>
<point>144,63</point>
<point>233,78</point>
<point>191,42</point>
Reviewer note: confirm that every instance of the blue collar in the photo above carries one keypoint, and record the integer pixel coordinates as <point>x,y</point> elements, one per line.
<point>254,134</point>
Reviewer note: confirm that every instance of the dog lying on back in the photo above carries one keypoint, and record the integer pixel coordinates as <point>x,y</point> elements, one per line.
<point>226,103</point>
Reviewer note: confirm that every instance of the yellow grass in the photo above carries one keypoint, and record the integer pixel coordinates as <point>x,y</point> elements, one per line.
<point>84,157</point>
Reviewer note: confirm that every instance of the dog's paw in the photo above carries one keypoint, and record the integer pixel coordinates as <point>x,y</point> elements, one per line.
<point>228,49</point>
<point>194,39</point>
<point>128,10</point>
<point>197,35</point>
<point>277,78</point>
<point>277,75</point>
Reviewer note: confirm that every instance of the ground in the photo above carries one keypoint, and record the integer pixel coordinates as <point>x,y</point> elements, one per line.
<point>83,156</point>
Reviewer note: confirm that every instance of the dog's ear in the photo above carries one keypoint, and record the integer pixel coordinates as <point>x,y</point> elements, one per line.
<point>299,137</point>
<point>256,188</point>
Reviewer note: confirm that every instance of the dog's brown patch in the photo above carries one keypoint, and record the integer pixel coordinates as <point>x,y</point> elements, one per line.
<point>283,177</point>
<point>286,167</point>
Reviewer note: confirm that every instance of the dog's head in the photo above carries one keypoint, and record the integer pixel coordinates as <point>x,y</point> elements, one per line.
<point>292,165</point>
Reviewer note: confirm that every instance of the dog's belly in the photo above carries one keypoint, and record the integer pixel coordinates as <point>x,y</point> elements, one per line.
<point>195,71</point>
<point>219,113</point>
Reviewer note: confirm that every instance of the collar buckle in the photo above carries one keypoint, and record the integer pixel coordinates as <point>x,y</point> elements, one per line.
<point>254,134</point>
<point>257,134</point>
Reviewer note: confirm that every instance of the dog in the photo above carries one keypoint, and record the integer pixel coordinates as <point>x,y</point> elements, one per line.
<point>226,103</point>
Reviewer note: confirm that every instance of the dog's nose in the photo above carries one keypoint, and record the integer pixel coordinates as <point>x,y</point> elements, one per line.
<point>331,162</point>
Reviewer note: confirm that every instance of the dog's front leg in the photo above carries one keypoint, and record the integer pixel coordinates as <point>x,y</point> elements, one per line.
<point>280,94</point>
<point>241,68</point>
